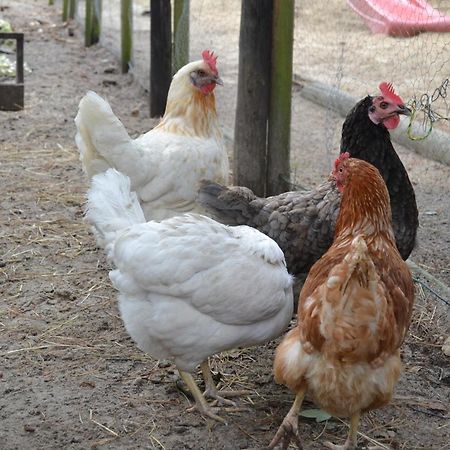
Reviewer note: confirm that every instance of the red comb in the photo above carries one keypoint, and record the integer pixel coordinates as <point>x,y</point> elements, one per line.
<point>387,90</point>
<point>342,157</point>
<point>211,60</point>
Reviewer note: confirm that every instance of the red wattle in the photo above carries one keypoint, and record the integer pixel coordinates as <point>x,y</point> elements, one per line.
<point>207,88</point>
<point>392,122</point>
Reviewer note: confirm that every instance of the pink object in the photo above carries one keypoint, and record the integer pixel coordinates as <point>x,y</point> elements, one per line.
<point>400,17</point>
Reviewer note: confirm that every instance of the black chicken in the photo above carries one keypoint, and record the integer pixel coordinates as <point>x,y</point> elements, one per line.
<point>365,136</point>
<point>302,222</point>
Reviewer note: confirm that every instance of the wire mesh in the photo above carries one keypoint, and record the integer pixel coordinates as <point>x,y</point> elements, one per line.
<point>332,44</point>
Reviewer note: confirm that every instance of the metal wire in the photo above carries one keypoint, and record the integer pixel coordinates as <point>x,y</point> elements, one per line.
<point>444,300</point>
<point>425,105</point>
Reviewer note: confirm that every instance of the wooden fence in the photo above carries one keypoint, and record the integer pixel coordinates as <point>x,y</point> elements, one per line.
<point>263,118</point>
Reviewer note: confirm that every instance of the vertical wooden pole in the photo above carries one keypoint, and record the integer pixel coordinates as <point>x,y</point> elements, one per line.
<point>279,136</point>
<point>160,55</point>
<point>72,8</point>
<point>65,11</point>
<point>88,23</point>
<point>250,136</point>
<point>180,33</point>
<point>92,22</point>
<point>19,60</point>
<point>126,34</point>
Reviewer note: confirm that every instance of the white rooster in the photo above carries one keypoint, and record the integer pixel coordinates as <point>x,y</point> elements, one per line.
<point>189,287</point>
<point>166,164</point>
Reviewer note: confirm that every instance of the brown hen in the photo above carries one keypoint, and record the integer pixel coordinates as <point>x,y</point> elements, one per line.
<point>354,311</point>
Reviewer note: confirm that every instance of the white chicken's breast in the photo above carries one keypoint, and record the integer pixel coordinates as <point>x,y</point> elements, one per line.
<point>191,287</point>
<point>188,160</point>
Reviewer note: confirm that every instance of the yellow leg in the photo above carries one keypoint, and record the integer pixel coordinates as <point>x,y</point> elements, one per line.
<point>200,403</point>
<point>350,443</point>
<point>211,389</point>
<point>289,428</point>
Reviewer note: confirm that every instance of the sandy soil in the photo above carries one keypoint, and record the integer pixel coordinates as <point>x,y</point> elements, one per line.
<point>70,377</point>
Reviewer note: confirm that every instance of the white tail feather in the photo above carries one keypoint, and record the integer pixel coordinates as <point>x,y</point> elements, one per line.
<point>100,134</point>
<point>111,206</point>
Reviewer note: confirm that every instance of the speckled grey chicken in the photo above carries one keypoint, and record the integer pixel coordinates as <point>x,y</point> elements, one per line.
<point>302,223</point>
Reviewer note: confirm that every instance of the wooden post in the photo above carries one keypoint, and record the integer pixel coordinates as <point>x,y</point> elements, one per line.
<point>12,95</point>
<point>72,8</point>
<point>180,34</point>
<point>65,11</point>
<point>250,136</point>
<point>92,22</point>
<point>279,136</point>
<point>160,55</point>
<point>126,34</point>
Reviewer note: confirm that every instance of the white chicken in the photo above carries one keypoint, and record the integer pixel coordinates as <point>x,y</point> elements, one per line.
<point>189,287</point>
<point>166,164</point>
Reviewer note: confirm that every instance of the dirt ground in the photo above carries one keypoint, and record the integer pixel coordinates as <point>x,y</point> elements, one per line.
<point>70,377</point>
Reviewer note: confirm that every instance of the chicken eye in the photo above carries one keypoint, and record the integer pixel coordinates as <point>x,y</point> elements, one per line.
<point>384,105</point>
<point>201,72</point>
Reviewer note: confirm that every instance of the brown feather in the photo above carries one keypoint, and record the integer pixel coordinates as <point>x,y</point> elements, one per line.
<point>355,306</point>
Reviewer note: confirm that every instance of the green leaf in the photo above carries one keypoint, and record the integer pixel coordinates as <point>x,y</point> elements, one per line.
<point>317,414</point>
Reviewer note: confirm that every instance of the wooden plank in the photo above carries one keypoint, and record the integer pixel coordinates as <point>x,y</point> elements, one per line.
<point>65,10</point>
<point>180,34</point>
<point>12,95</point>
<point>160,55</point>
<point>250,135</point>
<point>279,135</point>
<point>126,33</point>
<point>19,60</point>
<point>93,21</point>
<point>73,4</point>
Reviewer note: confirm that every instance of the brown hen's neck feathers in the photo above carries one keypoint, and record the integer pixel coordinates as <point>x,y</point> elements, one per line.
<point>191,113</point>
<point>365,206</point>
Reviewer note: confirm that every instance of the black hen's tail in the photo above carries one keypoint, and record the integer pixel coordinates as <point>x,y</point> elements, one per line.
<point>229,205</point>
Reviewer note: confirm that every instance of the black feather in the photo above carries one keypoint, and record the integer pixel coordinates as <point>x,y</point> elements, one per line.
<point>365,140</point>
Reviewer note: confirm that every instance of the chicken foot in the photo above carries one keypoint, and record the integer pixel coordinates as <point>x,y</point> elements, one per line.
<point>201,405</point>
<point>350,443</point>
<point>288,429</point>
<point>211,390</point>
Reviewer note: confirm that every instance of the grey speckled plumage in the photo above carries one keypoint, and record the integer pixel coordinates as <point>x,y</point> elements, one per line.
<point>301,223</point>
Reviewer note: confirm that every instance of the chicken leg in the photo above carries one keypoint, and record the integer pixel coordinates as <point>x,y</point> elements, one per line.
<point>201,405</point>
<point>212,391</point>
<point>350,443</point>
<point>289,428</point>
